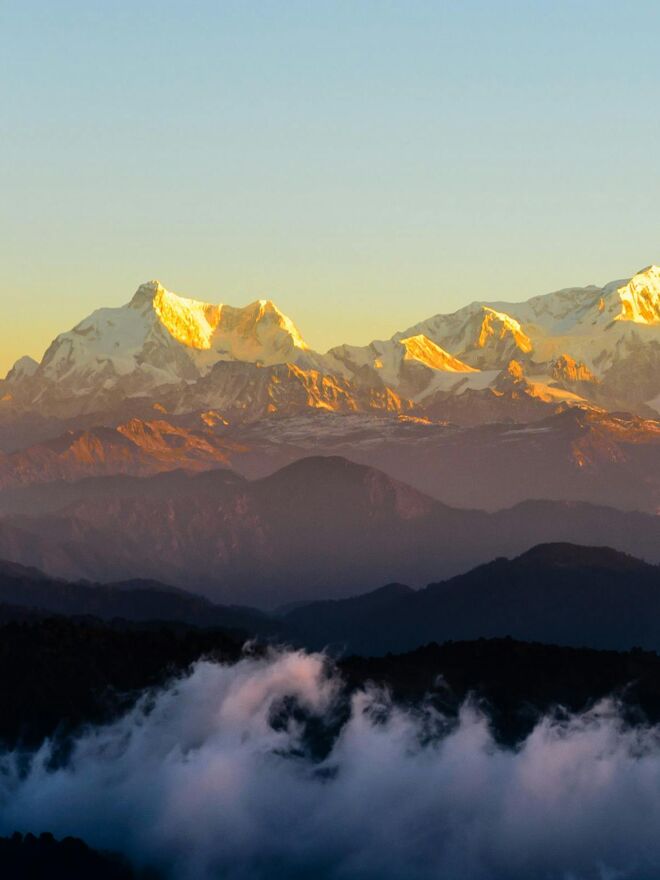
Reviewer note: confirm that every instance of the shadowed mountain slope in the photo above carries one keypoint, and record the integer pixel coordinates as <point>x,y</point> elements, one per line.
<point>555,593</point>
<point>132,600</point>
<point>320,527</point>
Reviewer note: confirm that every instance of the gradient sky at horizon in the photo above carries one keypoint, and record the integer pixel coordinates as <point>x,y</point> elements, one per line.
<point>364,164</point>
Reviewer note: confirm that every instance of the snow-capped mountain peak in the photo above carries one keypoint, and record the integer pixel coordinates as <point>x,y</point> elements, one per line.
<point>498,325</point>
<point>158,339</point>
<point>258,332</point>
<point>640,297</point>
<point>24,367</point>
<point>189,321</point>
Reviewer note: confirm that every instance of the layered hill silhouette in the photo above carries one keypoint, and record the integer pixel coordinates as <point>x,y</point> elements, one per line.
<point>579,454</point>
<point>561,594</point>
<point>320,527</point>
<point>554,593</point>
<point>37,594</point>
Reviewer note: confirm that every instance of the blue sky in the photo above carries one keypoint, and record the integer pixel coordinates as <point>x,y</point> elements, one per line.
<point>364,164</point>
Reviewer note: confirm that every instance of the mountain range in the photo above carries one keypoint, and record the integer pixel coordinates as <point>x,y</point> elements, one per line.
<point>210,447</point>
<point>580,455</point>
<point>321,526</point>
<point>591,346</point>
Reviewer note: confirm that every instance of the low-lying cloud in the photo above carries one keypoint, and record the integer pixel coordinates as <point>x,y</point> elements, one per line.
<point>200,782</point>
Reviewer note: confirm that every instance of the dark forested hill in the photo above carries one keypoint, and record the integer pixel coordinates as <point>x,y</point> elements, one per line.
<point>556,593</point>
<point>130,600</point>
<point>58,674</point>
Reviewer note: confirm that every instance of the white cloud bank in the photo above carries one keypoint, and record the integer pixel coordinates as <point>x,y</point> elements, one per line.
<point>200,784</point>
